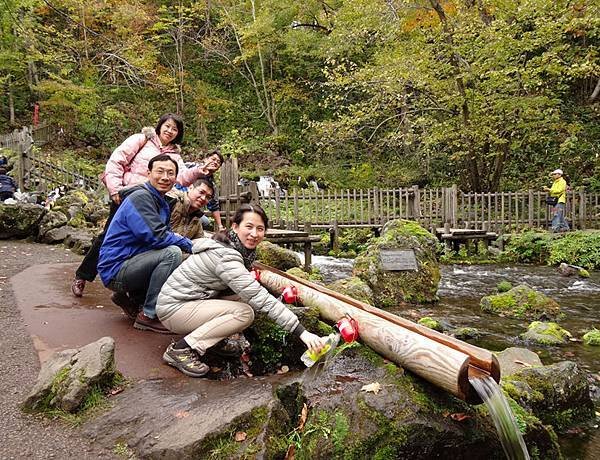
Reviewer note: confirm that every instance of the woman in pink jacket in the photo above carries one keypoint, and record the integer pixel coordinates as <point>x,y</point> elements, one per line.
<point>128,165</point>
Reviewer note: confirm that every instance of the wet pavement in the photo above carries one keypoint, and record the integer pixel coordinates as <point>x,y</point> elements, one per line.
<point>57,320</point>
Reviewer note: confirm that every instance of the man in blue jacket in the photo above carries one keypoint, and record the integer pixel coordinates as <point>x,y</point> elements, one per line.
<point>140,251</point>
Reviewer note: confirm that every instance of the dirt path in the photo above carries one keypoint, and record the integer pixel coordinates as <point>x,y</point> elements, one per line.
<point>26,436</point>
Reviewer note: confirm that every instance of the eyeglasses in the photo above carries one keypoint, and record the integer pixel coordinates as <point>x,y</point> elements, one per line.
<point>206,195</point>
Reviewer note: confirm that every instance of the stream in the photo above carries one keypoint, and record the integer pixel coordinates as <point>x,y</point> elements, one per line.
<point>460,290</point>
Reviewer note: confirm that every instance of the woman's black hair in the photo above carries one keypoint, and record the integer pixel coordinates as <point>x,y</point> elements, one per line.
<point>178,122</point>
<point>243,209</point>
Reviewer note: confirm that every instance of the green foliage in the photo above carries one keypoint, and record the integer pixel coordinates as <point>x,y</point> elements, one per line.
<point>431,323</point>
<point>528,247</point>
<point>592,337</point>
<point>504,286</point>
<point>576,248</point>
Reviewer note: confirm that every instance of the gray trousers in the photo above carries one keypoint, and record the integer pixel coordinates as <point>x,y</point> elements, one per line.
<point>207,322</point>
<point>143,276</point>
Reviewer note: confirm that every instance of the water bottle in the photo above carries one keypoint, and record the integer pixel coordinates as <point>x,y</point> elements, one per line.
<point>309,357</point>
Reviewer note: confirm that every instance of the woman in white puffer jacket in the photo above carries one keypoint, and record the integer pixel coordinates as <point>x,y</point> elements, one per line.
<point>193,300</point>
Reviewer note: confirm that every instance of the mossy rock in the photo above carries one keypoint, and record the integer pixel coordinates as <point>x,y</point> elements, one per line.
<point>592,337</point>
<point>557,394</point>
<point>276,256</point>
<point>521,302</point>
<point>466,333</point>
<point>314,275</point>
<point>393,287</point>
<point>20,220</point>
<point>406,418</point>
<point>353,287</point>
<point>78,220</point>
<point>431,323</point>
<point>546,333</point>
<point>583,273</point>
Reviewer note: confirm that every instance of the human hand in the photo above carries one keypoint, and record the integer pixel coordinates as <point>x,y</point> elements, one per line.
<point>116,198</point>
<point>222,228</point>
<point>312,341</point>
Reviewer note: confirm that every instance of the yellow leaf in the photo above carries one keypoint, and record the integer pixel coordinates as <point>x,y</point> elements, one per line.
<point>372,387</point>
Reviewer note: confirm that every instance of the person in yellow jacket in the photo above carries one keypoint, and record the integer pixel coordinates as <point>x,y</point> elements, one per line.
<point>558,191</point>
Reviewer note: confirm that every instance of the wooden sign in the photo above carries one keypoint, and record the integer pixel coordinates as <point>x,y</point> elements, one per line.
<point>398,259</point>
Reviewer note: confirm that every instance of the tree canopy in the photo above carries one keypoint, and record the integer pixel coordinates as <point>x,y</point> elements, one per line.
<point>489,94</point>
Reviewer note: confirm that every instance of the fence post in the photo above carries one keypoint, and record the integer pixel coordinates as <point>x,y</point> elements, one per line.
<point>415,205</point>
<point>454,205</point>
<point>307,248</point>
<point>376,218</point>
<point>582,208</point>
<point>530,208</point>
<point>295,209</point>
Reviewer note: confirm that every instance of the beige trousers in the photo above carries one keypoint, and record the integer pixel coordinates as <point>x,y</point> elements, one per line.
<point>207,322</point>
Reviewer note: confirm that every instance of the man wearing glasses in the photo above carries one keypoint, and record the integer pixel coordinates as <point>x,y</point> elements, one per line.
<point>187,209</point>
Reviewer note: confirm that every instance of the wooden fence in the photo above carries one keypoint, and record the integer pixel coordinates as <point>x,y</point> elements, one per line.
<point>499,211</point>
<point>33,171</point>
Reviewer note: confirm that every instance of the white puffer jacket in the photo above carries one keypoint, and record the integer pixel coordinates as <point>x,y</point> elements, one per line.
<point>212,269</point>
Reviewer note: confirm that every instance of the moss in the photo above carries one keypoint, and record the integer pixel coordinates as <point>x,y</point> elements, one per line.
<point>371,356</point>
<point>78,220</point>
<point>353,287</point>
<point>592,337</point>
<point>464,333</point>
<point>431,323</point>
<point>546,333</point>
<point>583,273</point>
<point>277,257</point>
<point>298,273</point>
<point>504,286</point>
<point>521,302</point>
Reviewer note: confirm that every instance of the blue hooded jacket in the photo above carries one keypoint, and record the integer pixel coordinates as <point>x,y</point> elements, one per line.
<point>140,224</point>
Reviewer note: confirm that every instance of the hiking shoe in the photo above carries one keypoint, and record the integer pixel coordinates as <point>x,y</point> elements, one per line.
<point>186,360</point>
<point>124,301</point>
<point>77,287</point>
<point>144,323</point>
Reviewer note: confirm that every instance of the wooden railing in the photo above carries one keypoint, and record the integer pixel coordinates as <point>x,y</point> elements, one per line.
<point>33,171</point>
<point>498,211</point>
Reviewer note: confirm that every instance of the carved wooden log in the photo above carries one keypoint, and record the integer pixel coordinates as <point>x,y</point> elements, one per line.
<point>437,363</point>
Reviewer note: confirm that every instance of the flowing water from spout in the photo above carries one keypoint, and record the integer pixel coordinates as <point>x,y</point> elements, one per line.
<point>504,420</point>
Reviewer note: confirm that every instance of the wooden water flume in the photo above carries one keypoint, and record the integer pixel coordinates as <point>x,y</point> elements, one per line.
<point>440,359</point>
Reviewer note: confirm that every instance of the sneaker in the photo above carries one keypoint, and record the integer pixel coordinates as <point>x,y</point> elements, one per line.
<point>77,287</point>
<point>144,323</point>
<point>186,360</point>
<point>130,308</point>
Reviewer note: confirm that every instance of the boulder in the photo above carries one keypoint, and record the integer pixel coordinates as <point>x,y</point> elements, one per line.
<point>20,220</point>
<point>66,379</point>
<point>393,287</point>
<point>466,333</point>
<point>558,394</point>
<point>521,302</point>
<point>314,275</point>
<point>52,220</point>
<point>276,256</point>
<point>567,270</point>
<point>79,241</point>
<point>355,407</point>
<point>353,287</point>
<point>57,235</point>
<point>431,323</point>
<point>514,359</point>
<point>546,333</point>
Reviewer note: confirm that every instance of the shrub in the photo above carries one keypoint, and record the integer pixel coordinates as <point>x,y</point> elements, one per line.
<point>576,248</point>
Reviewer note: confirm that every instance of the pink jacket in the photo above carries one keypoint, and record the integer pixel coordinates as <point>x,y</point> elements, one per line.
<point>125,168</point>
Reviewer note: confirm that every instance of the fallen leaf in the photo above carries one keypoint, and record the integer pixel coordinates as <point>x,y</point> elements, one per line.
<point>116,391</point>
<point>374,387</point>
<point>459,416</point>
<point>182,414</point>
<point>303,417</point>
<point>291,453</point>
<point>240,436</point>
<point>216,370</point>
<point>283,370</point>
<point>522,363</point>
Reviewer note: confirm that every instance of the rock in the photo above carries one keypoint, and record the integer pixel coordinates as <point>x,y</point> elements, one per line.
<point>514,359</point>
<point>20,220</point>
<point>465,333</point>
<point>276,256</point>
<point>353,287</point>
<point>258,418</point>
<point>68,376</point>
<point>521,302</point>
<point>57,235</point>
<point>393,287</point>
<point>52,220</point>
<point>546,333</point>
<point>558,394</point>
<point>504,286</point>
<point>592,337</point>
<point>431,323</point>
<point>298,273</point>
<point>567,270</point>
<point>79,241</point>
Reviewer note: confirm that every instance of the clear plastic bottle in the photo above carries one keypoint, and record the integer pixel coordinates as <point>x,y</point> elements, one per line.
<point>309,358</point>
